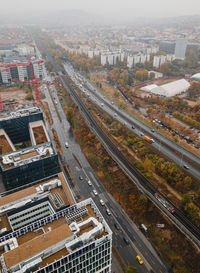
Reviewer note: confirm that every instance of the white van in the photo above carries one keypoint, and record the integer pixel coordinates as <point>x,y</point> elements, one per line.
<point>66,145</point>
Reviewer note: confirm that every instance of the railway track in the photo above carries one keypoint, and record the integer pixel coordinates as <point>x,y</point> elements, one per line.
<point>178,218</point>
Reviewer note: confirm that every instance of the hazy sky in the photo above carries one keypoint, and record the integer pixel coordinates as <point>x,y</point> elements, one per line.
<point>123,8</point>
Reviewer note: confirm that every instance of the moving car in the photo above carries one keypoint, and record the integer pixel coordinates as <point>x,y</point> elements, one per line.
<point>89,183</point>
<point>140,261</point>
<point>126,240</point>
<point>95,192</point>
<point>108,212</point>
<point>66,145</point>
<point>80,177</point>
<point>116,226</point>
<point>186,167</point>
<point>102,202</point>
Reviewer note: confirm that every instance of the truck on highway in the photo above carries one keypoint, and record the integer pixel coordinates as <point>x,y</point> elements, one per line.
<point>148,139</point>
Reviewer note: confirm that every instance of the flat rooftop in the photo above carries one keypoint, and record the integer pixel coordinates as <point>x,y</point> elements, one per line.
<point>73,228</point>
<point>26,156</point>
<point>20,113</point>
<point>19,199</point>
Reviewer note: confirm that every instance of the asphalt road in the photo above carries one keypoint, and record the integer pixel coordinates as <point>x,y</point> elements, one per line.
<point>164,145</point>
<point>138,243</point>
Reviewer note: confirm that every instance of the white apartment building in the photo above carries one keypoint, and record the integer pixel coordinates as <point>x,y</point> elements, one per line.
<point>163,59</point>
<point>103,59</point>
<point>136,59</point>
<point>156,61</point>
<point>129,61</point>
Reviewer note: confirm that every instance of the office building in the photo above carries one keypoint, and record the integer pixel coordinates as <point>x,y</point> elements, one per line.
<point>44,230</point>
<point>16,123</point>
<point>31,162</point>
<point>180,48</point>
<point>21,72</point>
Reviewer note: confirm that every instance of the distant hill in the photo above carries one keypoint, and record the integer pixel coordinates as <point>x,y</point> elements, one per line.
<point>79,17</point>
<point>58,18</point>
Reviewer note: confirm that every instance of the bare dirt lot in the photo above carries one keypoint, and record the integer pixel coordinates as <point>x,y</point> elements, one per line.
<point>13,97</point>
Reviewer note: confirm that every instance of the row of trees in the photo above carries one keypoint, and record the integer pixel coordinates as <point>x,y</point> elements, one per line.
<point>188,120</point>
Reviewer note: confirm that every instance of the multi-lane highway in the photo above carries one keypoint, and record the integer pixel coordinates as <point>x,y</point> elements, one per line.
<point>178,218</point>
<point>138,244</point>
<point>164,145</point>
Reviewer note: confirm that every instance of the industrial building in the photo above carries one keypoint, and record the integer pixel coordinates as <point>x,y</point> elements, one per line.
<point>44,230</point>
<point>168,90</point>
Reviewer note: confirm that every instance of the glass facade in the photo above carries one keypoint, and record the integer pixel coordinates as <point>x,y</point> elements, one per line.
<point>89,259</point>
<point>17,128</point>
<point>28,173</point>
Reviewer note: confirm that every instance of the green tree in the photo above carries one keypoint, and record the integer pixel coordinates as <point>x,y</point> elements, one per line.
<point>142,199</point>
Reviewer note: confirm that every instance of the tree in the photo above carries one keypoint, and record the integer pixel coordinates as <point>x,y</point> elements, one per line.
<point>70,116</point>
<point>141,75</point>
<point>165,69</point>
<point>148,165</point>
<point>131,269</point>
<point>142,199</point>
<point>187,182</point>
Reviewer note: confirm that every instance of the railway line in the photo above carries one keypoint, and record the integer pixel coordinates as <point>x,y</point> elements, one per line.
<point>178,218</point>
<point>194,232</point>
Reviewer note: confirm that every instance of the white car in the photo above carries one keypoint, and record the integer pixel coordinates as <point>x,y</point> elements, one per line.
<point>95,192</point>
<point>108,212</point>
<point>89,183</point>
<point>102,202</point>
<point>66,145</point>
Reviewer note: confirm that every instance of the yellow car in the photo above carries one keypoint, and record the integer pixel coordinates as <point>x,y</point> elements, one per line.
<point>140,261</point>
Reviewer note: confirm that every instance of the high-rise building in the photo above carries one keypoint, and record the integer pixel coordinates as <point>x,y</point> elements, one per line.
<point>44,230</point>
<point>180,48</point>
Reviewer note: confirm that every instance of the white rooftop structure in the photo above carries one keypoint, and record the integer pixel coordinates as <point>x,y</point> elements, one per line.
<point>196,76</point>
<point>168,90</point>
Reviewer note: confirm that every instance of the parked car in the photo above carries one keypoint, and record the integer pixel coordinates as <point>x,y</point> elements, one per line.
<point>80,177</point>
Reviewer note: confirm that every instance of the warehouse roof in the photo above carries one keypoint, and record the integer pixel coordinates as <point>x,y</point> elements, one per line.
<point>168,90</point>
